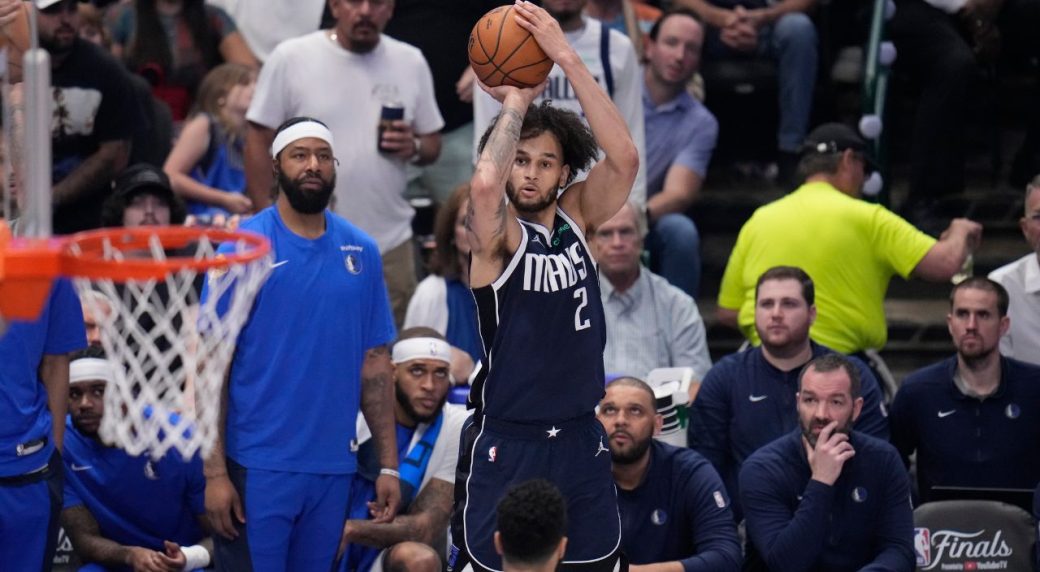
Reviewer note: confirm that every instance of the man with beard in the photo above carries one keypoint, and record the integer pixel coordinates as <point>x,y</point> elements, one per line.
<point>674,509</point>
<point>317,330</point>
<point>94,112</point>
<point>826,497</point>
<point>361,70</point>
<point>748,398</point>
<point>428,450</point>
<point>973,419</point>
<point>122,511</point>
<point>538,302</point>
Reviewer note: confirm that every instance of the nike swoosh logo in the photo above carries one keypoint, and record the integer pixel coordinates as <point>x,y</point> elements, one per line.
<point>277,264</point>
<point>76,467</point>
<point>757,398</point>
<point>947,413</point>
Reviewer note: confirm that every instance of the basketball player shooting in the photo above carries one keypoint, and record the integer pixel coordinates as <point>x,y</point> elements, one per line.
<point>541,320</point>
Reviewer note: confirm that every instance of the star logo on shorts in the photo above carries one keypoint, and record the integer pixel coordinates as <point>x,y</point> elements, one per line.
<point>553,432</point>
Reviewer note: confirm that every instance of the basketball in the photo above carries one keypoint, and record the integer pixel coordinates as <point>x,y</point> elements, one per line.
<point>503,53</point>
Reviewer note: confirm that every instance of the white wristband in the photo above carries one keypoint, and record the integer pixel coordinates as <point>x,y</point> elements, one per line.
<point>390,472</point>
<point>196,557</point>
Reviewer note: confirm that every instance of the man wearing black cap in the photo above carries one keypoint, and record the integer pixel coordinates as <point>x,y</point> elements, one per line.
<point>850,247</point>
<point>142,195</point>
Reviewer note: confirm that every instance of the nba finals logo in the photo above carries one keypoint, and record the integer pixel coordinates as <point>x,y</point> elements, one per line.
<point>923,546</point>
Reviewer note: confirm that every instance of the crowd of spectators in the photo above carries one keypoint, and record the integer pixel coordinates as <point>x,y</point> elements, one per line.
<point>165,112</point>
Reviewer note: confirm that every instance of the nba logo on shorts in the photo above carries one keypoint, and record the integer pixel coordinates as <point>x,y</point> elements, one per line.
<point>923,546</point>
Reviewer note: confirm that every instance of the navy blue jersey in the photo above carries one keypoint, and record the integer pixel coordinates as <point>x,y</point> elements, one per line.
<point>679,512</point>
<point>968,442</point>
<point>542,328</point>
<point>797,524</point>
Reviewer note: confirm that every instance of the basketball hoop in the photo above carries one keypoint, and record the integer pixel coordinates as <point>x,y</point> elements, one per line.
<point>144,288</point>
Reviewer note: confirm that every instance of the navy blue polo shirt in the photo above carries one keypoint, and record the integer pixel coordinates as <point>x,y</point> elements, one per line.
<point>745,402</point>
<point>680,511</point>
<point>966,441</point>
<point>863,521</point>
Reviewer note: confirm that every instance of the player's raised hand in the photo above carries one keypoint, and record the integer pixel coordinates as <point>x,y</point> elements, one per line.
<point>388,499</point>
<point>545,29</point>
<point>829,456</point>
<point>523,95</point>
<point>222,505</point>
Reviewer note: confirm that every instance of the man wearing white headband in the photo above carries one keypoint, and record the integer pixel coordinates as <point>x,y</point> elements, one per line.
<point>122,511</point>
<point>313,353</point>
<point>428,432</point>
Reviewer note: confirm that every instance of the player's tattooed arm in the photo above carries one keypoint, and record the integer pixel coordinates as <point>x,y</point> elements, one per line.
<point>85,534</point>
<point>426,521</point>
<point>377,398</point>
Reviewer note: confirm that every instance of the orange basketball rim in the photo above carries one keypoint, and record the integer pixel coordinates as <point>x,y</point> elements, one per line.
<point>28,266</point>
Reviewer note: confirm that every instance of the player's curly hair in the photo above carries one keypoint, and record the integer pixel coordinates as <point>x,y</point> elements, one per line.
<point>532,518</point>
<point>576,139</point>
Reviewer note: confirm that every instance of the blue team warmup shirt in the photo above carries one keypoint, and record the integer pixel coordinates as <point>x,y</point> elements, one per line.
<point>862,522</point>
<point>24,416</point>
<point>135,500</point>
<point>295,385</point>
<point>745,402</point>
<point>965,441</point>
<point>679,512</point>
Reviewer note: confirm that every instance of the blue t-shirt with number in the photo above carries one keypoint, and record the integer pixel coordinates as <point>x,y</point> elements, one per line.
<point>24,417</point>
<point>295,387</point>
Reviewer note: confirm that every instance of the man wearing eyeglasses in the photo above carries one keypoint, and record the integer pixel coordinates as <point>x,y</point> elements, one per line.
<point>650,323</point>
<point>850,247</point>
<point>1021,278</point>
<point>348,76</point>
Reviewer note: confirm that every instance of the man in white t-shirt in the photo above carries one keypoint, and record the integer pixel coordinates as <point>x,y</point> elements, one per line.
<point>343,77</point>
<point>1021,279</point>
<point>621,79</point>
<point>428,432</point>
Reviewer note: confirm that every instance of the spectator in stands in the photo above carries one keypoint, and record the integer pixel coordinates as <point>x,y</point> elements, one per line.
<point>206,166</point>
<point>973,419</point>
<point>34,374</point>
<point>88,301</point>
<point>442,301</point>
<point>1021,279</point>
<point>428,432</point>
<point>441,31</point>
<point>141,195</point>
<point>619,78</point>
<point>783,32</point>
<point>173,43</point>
<point>92,26</point>
<point>941,44</point>
<point>826,497</point>
<point>680,138</point>
<point>532,521</point>
<point>94,113</point>
<point>674,508</point>
<point>266,23</point>
<point>125,510</point>
<point>748,399</point>
<point>850,247</point>
<point>650,323</point>
<point>361,69</point>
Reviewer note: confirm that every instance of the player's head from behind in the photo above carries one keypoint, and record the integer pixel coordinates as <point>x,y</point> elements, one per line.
<point>532,522</point>
<point>628,412</point>
<point>978,318</point>
<point>89,374</point>
<point>785,309</point>
<point>422,372</point>
<point>829,391</point>
<point>304,164</point>
<point>554,146</point>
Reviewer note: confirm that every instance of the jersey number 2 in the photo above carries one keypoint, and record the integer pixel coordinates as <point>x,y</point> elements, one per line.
<point>579,323</point>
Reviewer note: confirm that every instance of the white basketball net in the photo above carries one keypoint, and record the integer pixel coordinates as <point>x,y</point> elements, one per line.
<point>170,350</point>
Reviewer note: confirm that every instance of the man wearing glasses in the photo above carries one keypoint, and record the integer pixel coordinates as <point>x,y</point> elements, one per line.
<point>351,76</point>
<point>1021,279</point>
